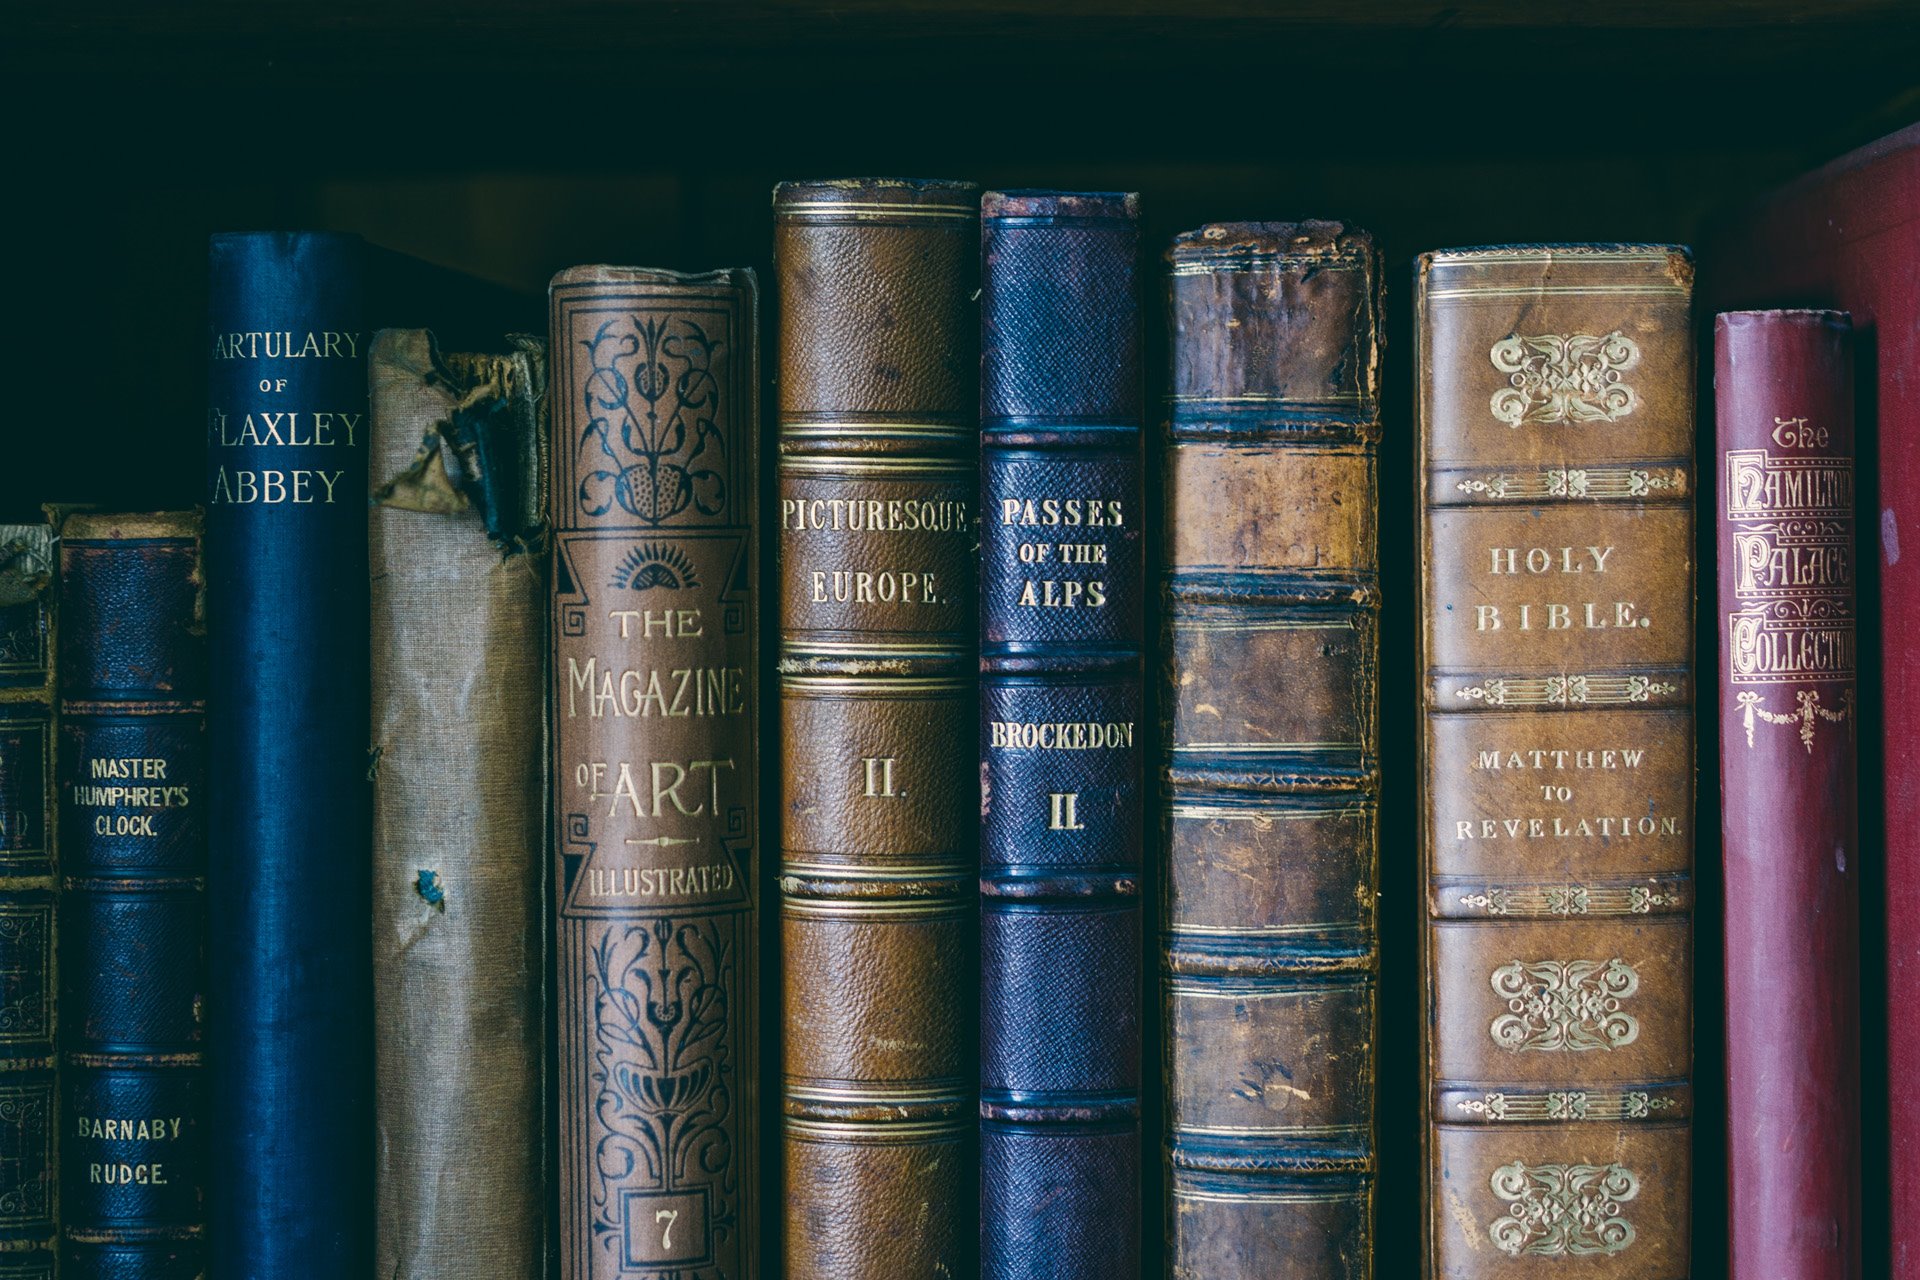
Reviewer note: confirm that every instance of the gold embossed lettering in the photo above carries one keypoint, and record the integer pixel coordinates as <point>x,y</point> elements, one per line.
<point>871,515</point>
<point>680,774</point>
<point>1061,512</point>
<point>676,693</point>
<point>1004,735</point>
<point>861,586</point>
<point>1062,811</point>
<point>1794,433</point>
<point>1541,560</point>
<point>285,345</point>
<point>243,486</point>
<point>879,775</point>
<point>1050,593</point>
<point>668,624</point>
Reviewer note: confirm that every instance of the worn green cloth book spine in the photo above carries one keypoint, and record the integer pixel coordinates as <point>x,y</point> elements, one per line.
<point>458,596</point>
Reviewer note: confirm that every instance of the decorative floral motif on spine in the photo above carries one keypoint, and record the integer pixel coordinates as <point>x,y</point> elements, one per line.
<point>26,1153</point>
<point>1584,482</point>
<point>1564,1005</point>
<point>651,406</point>
<point>662,1075</point>
<point>1568,1104</point>
<point>1563,1210</point>
<point>1568,900</point>
<point>1558,378</point>
<point>1809,710</point>
<point>1568,690</point>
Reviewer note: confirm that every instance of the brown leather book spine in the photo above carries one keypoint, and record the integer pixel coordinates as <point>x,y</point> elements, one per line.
<point>655,393</point>
<point>877,488</point>
<point>29,829</point>
<point>1556,398</point>
<point>458,592</point>
<point>1271,955</point>
<point>1789,778</point>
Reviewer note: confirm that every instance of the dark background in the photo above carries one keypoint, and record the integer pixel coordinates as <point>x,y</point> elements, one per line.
<point>510,138</point>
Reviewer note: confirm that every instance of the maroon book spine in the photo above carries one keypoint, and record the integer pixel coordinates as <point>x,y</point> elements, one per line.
<point>1783,384</point>
<point>1847,236</point>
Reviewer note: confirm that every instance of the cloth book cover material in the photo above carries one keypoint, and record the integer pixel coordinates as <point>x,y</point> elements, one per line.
<point>1061,825</point>
<point>1847,236</point>
<point>1271,826</point>
<point>656,385</point>
<point>458,599</point>
<point>1555,387</point>
<point>289,1016</point>
<point>878,794</point>
<point>133,917</point>
<point>29,1222</point>
<point>1789,763</point>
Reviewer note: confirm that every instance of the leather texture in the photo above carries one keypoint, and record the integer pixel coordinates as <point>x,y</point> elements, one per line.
<point>1556,398</point>
<point>133,927</point>
<point>29,1186</point>
<point>1061,541</point>
<point>1271,948</point>
<point>877,485</point>
<point>1047,1177</point>
<point>1847,236</point>
<point>289,1018</point>
<point>1789,777</point>
<point>656,384</point>
<point>457,580</point>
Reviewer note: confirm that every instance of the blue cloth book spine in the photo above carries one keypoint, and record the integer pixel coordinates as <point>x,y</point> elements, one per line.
<point>1061,615</point>
<point>290,1001</point>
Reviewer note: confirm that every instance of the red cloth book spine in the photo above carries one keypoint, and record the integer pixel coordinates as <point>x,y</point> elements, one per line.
<point>1789,713</point>
<point>1847,236</point>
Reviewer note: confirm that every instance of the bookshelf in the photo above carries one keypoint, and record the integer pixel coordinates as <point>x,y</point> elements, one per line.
<point>511,138</point>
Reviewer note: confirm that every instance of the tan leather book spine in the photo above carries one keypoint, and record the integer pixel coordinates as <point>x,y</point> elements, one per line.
<point>1271,952</point>
<point>877,485</point>
<point>655,705</point>
<point>1556,403</point>
<point>458,593</point>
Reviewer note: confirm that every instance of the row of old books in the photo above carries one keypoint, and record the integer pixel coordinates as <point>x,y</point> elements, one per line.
<point>454,709</point>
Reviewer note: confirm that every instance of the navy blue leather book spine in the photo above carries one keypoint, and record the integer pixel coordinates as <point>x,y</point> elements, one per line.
<point>288,846</point>
<point>1061,610</point>
<point>29,1200</point>
<point>132,769</point>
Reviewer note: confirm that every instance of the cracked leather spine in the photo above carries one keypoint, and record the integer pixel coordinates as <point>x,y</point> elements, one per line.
<point>1555,388</point>
<point>29,1219</point>
<point>1270,948</point>
<point>1789,778</point>
<point>655,775</point>
<point>458,598</point>
<point>133,914</point>
<point>1061,823</point>
<point>877,488</point>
